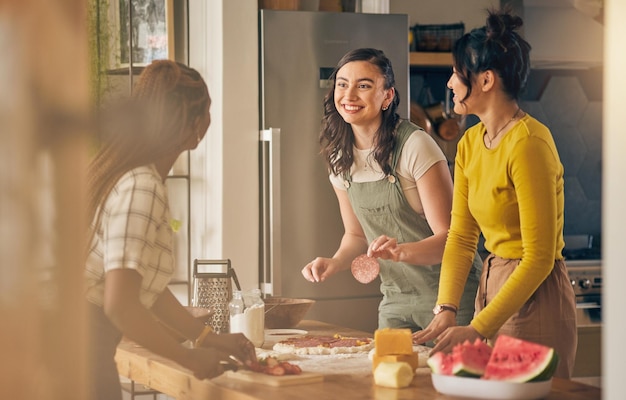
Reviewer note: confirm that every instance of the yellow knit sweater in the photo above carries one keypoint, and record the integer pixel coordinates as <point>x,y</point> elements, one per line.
<point>514,195</point>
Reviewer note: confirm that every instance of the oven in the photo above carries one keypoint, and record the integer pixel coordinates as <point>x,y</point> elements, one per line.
<point>584,266</point>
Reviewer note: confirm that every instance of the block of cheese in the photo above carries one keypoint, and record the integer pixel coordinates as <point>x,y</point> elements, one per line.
<point>393,375</point>
<point>393,341</point>
<point>411,359</point>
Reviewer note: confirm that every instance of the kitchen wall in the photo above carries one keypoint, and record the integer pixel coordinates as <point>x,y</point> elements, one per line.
<point>570,103</point>
<point>223,41</point>
<point>614,192</point>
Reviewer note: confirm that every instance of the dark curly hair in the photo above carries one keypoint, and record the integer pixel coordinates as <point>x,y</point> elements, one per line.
<point>337,139</point>
<point>497,47</point>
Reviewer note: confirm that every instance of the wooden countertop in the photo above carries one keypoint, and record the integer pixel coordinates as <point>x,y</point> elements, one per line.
<point>142,366</point>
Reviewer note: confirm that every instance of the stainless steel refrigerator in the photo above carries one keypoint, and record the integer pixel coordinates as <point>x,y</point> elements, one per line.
<point>300,214</point>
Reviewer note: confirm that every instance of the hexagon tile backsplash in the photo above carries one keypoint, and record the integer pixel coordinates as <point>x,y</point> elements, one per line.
<point>570,104</point>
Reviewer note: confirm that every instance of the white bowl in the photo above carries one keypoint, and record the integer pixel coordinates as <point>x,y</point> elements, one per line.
<point>488,389</point>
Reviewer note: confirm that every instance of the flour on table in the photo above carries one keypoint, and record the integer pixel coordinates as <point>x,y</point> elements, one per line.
<point>333,364</point>
<point>321,350</point>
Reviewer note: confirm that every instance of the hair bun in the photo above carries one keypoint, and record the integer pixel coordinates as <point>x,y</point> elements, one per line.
<point>500,24</point>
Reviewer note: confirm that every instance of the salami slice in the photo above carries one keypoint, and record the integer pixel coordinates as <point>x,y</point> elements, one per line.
<point>365,269</point>
<point>271,366</point>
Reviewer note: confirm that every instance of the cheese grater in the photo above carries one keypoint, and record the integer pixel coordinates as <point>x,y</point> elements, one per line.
<point>212,289</point>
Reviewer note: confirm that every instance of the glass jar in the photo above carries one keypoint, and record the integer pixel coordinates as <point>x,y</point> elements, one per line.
<point>236,306</point>
<point>247,315</point>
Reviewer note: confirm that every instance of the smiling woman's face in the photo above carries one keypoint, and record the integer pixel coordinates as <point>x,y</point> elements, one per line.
<point>360,94</point>
<point>459,91</point>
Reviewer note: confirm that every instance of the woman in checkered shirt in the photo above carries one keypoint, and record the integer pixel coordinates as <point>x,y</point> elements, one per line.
<point>130,261</point>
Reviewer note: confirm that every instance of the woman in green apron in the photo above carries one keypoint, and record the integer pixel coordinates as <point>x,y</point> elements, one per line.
<point>394,190</point>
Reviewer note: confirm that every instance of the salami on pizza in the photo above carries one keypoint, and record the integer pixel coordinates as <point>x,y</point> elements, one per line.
<point>320,345</point>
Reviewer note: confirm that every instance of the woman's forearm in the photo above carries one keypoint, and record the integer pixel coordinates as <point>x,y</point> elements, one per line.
<point>427,251</point>
<point>171,312</point>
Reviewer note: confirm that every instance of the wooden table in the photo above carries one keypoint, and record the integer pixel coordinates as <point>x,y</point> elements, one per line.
<point>142,366</point>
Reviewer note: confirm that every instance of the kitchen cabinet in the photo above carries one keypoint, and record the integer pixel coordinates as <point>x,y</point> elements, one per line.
<point>429,73</point>
<point>429,70</point>
<point>430,59</point>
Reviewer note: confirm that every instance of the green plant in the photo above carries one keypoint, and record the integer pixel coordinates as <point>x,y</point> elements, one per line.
<point>100,36</point>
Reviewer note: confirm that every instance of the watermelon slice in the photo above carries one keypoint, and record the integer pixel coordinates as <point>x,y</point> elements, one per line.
<point>440,363</point>
<point>517,360</point>
<point>466,359</point>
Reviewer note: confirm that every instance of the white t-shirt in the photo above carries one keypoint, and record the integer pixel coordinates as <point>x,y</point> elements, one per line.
<point>420,152</point>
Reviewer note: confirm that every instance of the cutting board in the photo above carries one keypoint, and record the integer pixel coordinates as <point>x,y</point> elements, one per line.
<point>271,380</point>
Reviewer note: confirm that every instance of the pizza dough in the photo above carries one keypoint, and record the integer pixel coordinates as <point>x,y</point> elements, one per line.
<point>323,345</point>
<point>365,269</point>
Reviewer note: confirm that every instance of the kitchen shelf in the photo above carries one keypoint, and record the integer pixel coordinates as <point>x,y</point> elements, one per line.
<point>430,59</point>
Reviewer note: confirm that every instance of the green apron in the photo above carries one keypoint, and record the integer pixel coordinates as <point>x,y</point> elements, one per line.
<point>409,291</point>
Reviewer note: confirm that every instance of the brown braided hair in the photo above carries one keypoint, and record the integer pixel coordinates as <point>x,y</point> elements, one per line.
<point>155,122</point>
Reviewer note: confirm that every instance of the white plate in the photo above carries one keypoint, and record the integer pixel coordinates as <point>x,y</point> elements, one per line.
<point>285,332</point>
<point>487,389</point>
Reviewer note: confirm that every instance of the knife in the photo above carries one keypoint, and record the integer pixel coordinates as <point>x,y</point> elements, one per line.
<point>233,365</point>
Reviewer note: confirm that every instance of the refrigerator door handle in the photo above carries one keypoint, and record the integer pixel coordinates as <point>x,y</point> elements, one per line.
<point>270,263</point>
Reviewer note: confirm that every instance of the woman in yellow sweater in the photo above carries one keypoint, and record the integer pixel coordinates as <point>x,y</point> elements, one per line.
<point>509,186</point>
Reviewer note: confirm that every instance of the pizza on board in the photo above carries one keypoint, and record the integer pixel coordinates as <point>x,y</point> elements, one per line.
<point>322,345</point>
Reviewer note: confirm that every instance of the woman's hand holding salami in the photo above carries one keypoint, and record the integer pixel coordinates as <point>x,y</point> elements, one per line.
<point>385,247</point>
